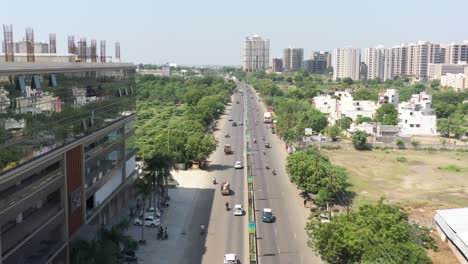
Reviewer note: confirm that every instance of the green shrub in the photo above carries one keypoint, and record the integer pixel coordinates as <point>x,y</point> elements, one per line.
<point>401,159</point>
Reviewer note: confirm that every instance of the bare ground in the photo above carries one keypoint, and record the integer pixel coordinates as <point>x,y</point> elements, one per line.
<point>416,183</point>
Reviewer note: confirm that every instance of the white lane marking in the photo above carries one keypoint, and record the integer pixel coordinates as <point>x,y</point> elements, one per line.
<point>295,236</point>
<point>276,233</point>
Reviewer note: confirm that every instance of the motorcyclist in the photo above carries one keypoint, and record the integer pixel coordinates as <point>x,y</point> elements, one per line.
<point>227,204</point>
<point>266,166</point>
<point>214,180</point>
<point>263,137</point>
<point>202,229</point>
<point>273,171</point>
<point>255,141</point>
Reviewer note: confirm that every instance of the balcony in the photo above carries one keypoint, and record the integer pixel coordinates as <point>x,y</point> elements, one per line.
<point>28,189</point>
<point>34,219</point>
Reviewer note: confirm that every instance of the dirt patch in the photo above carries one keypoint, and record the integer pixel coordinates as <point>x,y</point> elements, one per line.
<point>444,255</point>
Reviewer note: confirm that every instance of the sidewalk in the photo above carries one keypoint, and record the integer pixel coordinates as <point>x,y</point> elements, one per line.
<point>176,218</point>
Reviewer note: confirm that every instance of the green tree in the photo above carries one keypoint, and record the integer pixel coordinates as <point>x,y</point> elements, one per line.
<point>387,114</point>
<point>361,119</point>
<point>359,140</point>
<point>344,123</point>
<point>289,79</point>
<point>372,234</point>
<point>333,132</point>
<point>435,84</point>
<point>199,147</point>
<point>348,81</point>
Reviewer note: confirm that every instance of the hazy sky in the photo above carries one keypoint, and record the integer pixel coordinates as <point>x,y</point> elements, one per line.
<point>211,31</point>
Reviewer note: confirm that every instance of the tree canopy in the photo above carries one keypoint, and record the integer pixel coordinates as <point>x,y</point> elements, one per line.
<point>387,114</point>
<point>377,233</point>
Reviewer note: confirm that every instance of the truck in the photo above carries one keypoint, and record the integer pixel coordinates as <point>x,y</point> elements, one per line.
<point>227,149</point>
<point>267,118</point>
<point>225,188</point>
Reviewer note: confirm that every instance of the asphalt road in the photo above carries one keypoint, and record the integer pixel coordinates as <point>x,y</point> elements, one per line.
<point>226,233</point>
<point>283,241</point>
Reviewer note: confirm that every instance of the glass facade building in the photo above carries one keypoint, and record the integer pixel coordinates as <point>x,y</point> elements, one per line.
<point>67,154</point>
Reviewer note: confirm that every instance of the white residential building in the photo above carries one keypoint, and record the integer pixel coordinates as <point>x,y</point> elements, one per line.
<point>437,70</point>
<point>416,117</point>
<point>327,105</point>
<point>390,96</point>
<point>375,61</point>
<point>455,53</point>
<point>347,107</point>
<point>419,56</point>
<point>346,63</point>
<point>256,53</point>
<point>458,81</point>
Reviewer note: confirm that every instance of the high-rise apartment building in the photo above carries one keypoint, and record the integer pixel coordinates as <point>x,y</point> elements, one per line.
<point>346,62</point>
<point>277,65</point>
<point>256,53</point>
<point>292,59</point>
<point>68,155</point>
<point>375,61</point>
<point>318,63</point>
<point>322,56</point>
<point>419,56</point>
<point>455,53</point>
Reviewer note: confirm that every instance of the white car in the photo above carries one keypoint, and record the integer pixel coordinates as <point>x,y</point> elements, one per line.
<point>149,221</point>
<point>230,259</point>
<point>152,212</point>
<point>238,165</point>
<point>238,210</point>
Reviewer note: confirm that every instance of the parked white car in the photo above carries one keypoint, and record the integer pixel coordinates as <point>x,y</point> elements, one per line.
<point>238,210</point>
<point>238,165</point>
<point>153,212</point>
<point>149,221</point>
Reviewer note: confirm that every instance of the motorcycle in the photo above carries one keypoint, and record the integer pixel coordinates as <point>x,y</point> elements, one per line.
<point>267,167</point>
<point>214,180</point>
<point>227,206</point>
<point>273,171</point>
<point>202,229</point>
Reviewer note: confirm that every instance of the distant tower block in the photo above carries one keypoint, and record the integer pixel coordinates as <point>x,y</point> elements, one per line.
<point>8,43</point>
<point>117,51</point>
<point>30,44</point>
<point>71,45</point>
<point>52,43</point>
<point>103,51</point>
<point>93,51</point>
<point>83,49</point>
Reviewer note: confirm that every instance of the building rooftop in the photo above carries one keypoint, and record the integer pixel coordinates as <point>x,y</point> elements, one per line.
<point>454,224</point>
<point>57,67</point>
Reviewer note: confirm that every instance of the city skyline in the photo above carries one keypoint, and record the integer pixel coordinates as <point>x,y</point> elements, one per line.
<point>162,32</point>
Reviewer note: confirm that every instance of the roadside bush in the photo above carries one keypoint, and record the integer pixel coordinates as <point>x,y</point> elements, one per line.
<point>415,144</point>
<point>400,143</point>
<point>401,159</point>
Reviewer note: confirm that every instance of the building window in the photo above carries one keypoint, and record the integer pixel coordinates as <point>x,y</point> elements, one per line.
<point>418,125</point>
<point>411,125</point>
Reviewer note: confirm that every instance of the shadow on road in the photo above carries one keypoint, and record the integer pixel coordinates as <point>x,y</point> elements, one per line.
<point>219,167</point>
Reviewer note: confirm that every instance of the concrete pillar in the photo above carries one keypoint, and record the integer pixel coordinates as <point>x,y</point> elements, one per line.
<point>19,218</point>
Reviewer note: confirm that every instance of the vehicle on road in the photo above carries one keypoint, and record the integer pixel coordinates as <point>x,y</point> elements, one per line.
<point>230,119</point>
<point>238,165</point>
<point>238,210</point>
<point>225,188</point>
<point>267,117</point>
<point>237,102</point>
<point>267,145</point>
<point>152,212</point>
<point>324,218</point>
<point>230,258</point>
<point>240,123</point>
<point>149,221</point>
<point>227,149</point>
<point>267,215</point>
<point>227,135</point>
<point>234,124</point>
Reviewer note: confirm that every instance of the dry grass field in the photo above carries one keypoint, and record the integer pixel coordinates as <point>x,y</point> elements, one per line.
<point>419,181</point>
<point>413,178</point>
